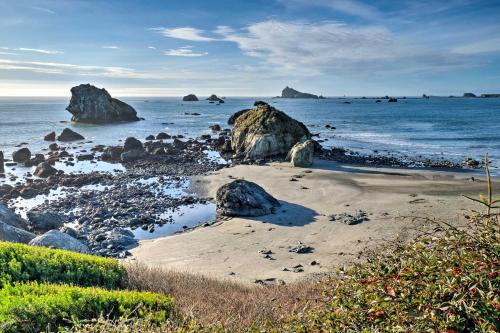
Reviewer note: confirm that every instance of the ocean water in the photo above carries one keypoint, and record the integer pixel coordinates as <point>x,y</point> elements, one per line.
<point>449,128</point>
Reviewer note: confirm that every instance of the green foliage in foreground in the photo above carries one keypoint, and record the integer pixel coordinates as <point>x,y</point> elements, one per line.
<point>447,284</point>
<point>21,263</point>
<point>34,307</point>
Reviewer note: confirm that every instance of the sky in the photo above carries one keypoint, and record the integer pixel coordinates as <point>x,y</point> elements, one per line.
<point>250,48</point>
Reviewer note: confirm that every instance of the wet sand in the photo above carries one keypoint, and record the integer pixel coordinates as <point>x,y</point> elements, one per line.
<point>230,248</point>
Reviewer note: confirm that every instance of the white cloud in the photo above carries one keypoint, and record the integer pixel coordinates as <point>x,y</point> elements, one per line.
<point>478,47</point>
<point>111,47</point>
<point>152,47</point>
<point>185,33</point>
<point>185,51</point>
<point>296,44</point>
<point>38,50</point>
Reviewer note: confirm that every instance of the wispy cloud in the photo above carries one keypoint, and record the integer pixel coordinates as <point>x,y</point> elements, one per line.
<point>111,47</point>
<point>151,47</point>
<point>184,33</point>
<point>479,47</point>
<point>43,10</point>
<point>350,7</point>
<point>26,49</point>
<point>185,51</point>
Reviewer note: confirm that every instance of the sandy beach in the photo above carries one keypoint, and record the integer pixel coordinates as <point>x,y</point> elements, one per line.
<point>230,248</point>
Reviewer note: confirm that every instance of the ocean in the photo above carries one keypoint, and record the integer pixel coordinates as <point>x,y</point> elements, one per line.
<point>439,127</point>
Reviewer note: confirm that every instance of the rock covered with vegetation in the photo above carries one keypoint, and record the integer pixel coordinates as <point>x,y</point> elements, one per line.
<point>244,198</point>
<point>90,104</point>
<point>265,131</point>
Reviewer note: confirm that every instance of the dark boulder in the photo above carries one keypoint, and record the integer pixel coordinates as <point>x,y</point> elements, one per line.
<point>22,155</point>
<point>214,98</point>
<point>244,198</point>
<point>132,144</point>
<point>163,136</point>
<point>69,135</point>
<point>44,221</point>
<point>45,170</point>
<point>50,137</point>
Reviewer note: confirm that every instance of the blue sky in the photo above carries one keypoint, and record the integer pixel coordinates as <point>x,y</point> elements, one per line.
<point>250,48</point>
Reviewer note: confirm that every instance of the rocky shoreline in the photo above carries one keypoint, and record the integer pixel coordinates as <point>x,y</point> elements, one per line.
<point>101,209</point>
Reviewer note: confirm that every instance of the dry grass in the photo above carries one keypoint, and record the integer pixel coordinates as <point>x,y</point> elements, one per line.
<point>223,302</point>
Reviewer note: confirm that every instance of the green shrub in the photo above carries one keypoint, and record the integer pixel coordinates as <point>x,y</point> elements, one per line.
<point>21,263</point>
<point>33,307</point>
<point>448,283</point>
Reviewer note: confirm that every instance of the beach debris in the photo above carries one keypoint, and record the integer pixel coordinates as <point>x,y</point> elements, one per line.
<point>350,219</point>
<point>244,198</point>
<point>301,248</point>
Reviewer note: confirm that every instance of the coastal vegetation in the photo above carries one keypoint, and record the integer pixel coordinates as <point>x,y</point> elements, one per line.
<point>444,281</point>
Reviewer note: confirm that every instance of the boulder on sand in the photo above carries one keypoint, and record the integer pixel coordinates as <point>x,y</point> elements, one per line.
<point>22,155</point>
<point>90,104</point>
<point>302,154</point>
<point>190,98</point>
<point>45,170</point>
<point>244,198</point>
<point>265,131</point>
<point>69,135</point>
<point>59,240</point>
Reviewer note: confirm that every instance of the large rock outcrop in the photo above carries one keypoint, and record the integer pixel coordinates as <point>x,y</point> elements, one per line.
<point>214,98</point>
<point>292,93</point>
<point>265,131</point>
<point>59,240</point>
<point>235,116</point>
<point>244,198</point>
<point>92,105</point>
<point>302,154</point>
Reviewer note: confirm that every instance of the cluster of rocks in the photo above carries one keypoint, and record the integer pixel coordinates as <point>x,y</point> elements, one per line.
<point>350,219</point>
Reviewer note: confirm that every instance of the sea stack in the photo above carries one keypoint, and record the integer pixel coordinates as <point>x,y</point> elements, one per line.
<point>292,93</point>
<point>266,131</point>
<point>92,105</point>
<point>190,98</point>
